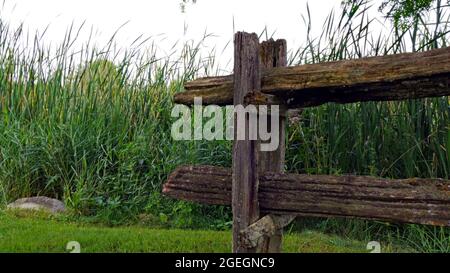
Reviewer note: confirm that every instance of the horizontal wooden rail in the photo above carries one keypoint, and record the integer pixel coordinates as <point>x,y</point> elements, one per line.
<point>385,78</point>
<point>422,201</point>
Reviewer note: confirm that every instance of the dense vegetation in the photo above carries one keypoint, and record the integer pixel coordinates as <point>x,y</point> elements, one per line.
<point>91,126</point>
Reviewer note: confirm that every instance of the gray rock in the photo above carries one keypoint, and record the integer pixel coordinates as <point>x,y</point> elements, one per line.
<point>39,203</point>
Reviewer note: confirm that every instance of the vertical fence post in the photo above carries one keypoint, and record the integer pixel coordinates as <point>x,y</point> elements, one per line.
<point>245,156</point>
<point>274,54</point>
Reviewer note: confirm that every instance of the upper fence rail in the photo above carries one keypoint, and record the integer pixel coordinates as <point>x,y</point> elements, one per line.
<point>384,78</point>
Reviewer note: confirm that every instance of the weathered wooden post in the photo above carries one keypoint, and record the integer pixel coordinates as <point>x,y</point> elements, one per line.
<point>274,54</point>
<point>245,173</point>
<point>251,58</point>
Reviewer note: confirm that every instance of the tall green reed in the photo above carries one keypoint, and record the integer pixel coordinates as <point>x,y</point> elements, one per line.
<point>388,139</point>
<point>91,126</point>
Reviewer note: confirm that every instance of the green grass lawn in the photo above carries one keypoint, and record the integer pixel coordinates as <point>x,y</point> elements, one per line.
<point>25,232</point>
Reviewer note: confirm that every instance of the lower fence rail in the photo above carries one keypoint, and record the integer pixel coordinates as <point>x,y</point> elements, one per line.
<point>415,200</point>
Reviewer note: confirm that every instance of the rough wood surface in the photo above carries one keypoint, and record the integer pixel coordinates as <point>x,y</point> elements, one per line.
<point>268,226</point>
<point>245,156</point>
<point>272,54</point>
<point>420,201</point>
<point>213,90</point>
<point>385,78</point>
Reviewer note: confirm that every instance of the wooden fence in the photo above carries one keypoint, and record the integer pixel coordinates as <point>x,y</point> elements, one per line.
<point>263,198</point>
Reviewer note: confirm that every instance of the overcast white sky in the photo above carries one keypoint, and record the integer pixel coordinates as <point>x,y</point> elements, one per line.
<point>164,18</point>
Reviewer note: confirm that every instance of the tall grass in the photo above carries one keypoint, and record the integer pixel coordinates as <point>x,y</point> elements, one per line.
<point>91,125</point>
<point>389,139</point>
<point>392,139</point>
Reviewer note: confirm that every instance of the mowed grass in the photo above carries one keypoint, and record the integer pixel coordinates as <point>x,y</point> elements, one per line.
<point>41,233</point>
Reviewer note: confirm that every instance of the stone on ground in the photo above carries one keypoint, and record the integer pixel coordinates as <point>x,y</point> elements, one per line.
<point>39,203</point>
